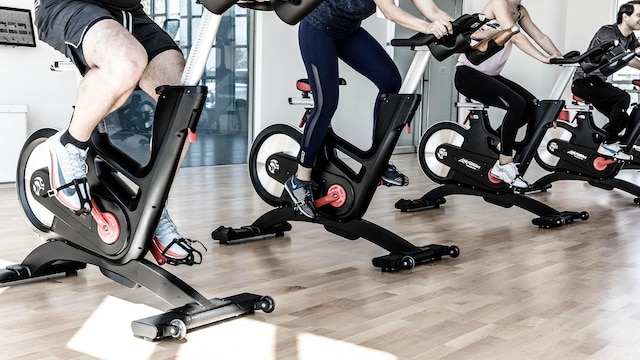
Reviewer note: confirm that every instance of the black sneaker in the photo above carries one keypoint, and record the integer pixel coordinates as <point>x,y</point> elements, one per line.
<point>393,177</point>
<point>300,193</point>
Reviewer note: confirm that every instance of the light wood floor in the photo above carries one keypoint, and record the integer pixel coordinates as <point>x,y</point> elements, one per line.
<point>515,292</point>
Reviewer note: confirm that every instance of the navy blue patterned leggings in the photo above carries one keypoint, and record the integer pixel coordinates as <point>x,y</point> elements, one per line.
<point>320,53</point>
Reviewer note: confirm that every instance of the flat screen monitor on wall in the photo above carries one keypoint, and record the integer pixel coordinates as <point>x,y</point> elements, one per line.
<point>16,27</point>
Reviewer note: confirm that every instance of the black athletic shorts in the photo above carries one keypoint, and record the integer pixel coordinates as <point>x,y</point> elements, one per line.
<point>63,23</point>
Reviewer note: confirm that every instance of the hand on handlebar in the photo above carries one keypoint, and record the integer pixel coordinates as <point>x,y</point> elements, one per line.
<point>554,56</point>
<point>440,28</point>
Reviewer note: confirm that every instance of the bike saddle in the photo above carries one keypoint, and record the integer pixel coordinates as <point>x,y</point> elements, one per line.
<point>577,99</point>
<point>304,86</point>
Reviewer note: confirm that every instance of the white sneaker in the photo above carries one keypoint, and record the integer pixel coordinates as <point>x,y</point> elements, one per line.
<point>68,174</point>
<point>614,151</point>
<point>509,174</point>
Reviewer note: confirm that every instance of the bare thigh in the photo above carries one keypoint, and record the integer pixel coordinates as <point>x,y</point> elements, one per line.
<point>109,46</point>
<point>164,69</point>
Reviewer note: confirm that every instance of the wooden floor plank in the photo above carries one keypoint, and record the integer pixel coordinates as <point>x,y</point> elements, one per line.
<point>516,291</point>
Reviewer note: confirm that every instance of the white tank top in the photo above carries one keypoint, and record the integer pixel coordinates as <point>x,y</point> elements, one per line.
<point>492,66</point>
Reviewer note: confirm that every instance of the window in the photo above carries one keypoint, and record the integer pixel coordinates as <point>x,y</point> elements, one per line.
<point>223,125</point>
<point>624,77</point>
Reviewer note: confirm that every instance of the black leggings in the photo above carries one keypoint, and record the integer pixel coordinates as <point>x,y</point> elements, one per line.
<point>609,100</point>
<point>502,93</point>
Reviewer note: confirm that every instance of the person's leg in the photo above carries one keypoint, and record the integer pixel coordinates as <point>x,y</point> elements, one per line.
<point>495,91</point>
<point>117,61</point>
<point>364,54</point>
<point>111,61</point>
<point>529,102</point>
<point>319,53</point>
<point>613,103</point>
<point>492,91</point>
<point>318,50</point>
<point>165,67</point>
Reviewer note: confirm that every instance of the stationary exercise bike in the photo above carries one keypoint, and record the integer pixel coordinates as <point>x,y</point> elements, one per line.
<point>344,190</point>
<point>460,158</point>
<point>570,151</point>
<point>127,200</point>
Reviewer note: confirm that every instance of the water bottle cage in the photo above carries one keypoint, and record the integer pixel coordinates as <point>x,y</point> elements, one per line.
<point>476,57</point>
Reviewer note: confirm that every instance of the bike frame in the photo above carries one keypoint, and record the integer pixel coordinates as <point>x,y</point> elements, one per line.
<point>127,201</point>
<point>349,188</point>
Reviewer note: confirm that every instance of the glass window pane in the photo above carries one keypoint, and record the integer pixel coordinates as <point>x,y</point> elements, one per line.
<point>241,31</point>
<point>146,4</point>
<point>196,9</point>
<point>159,6</point>
<point>174,6</point>
<point>223,125</point>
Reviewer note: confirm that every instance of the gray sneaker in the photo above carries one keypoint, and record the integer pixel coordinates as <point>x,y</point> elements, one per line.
<point>301,195</point>
<point>176,249</point>
<point>166,237</point>
<point>68,174</point>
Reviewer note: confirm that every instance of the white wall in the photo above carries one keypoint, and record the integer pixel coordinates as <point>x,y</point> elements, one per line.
<point>25,74</point>
<point>26,79</point>
<point>569,23</point>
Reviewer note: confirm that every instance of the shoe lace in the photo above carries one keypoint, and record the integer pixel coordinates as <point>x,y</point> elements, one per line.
<point>78,162</point>
<point>519,177</point>
<point>306,194</point>
<point>166,226</point>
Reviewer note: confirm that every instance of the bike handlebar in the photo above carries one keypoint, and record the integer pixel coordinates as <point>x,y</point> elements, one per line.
<point>572,57</point>
<point>619,61</point>
<point>607,57</point>
<point>418,39</point>
<point>289,11</point>
<point>575,57</point>
<point>448,45</point>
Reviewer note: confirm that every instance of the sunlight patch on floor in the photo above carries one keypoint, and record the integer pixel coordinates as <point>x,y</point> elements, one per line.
<point>314,347</point>
<point>107,335</point>
<point>242,338</point>
<point>110,324</point>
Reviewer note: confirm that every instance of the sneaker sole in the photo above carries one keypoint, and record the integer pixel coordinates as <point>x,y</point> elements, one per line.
<point>388,182</point>
<point>511,185</point>
<point>614,156</point>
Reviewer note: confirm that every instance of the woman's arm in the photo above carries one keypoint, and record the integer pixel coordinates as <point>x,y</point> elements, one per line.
<point>537,35</point>
<point>500,11</point>
<point>439,27</point>
<point>635,63</point>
